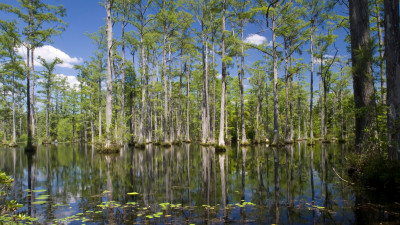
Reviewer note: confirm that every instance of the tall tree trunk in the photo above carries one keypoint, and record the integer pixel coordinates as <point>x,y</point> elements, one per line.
<point>33,92</point>
<point>187,134</point>
<point>143,80</point>
<point>180,114</point>
<point>14,133</point>
<point>214,101</point>
<point>122,116</point>
<point>165,88</point>
<point>171,117</point>
<point>109,73</point>
<point>259,103</point>
<point>100,106</point>
<point>334,117</point>
<point>205,122</point>
<point>266,98</point>
<point>287,138</point>
<point>325,110</point>
<point>221,140</point>
<point>91,120</point>
<point>363,81</point>
<point>392,51</point>
<point>275,68</point>
<point>291,129</point>
<point>381,53</point>
<point>237,121</point>
<point>321,110</point>
<point>311,81</point>
<point>132,96</point>
<point>29,146</point>
<point>48,111</point>
<point>341,111</point>
<point>226,115</point>
<point>244,139</point>
<point>299,107</point>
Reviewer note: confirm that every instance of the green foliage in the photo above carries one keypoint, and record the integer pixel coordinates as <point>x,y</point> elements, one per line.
<point>374,169</point>
<point>65,130</point>
<point>23,138</point>
<point>5,186</point>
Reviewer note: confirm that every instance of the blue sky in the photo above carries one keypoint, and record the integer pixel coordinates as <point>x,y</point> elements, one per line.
<point>88,16</point>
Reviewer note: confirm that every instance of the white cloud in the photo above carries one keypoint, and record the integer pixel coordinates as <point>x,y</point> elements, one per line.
<point>71,80</point>
<point>318,61</point>
<point>219,76</point>
<point>255,39</point>
<point>49,53</point>
<point>325,59</point>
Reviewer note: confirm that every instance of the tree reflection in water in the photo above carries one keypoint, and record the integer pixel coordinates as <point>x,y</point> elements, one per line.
<point>294,184</point>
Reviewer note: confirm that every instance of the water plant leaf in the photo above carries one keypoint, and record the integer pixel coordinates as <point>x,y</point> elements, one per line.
<point>132,193</point>
<point>39,191</point>
<point>39,202</point>
<point>42,197</point>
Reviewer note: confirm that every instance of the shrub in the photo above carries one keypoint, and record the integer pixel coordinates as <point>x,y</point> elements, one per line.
<point>374,169</point>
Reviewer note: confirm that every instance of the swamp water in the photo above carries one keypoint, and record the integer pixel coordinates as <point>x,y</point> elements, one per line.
<point>191,184</point>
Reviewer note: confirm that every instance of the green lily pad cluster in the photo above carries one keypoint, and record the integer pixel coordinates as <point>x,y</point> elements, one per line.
<point>243,204</point>
<point>156,215</point>
<point>17,219</point>
<point>109,204</point>
<point>69,219</point>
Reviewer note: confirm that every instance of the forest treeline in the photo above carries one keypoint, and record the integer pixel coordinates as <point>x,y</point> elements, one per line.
<point>176,72</point>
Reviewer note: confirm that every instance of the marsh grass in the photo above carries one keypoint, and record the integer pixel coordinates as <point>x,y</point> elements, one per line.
<point>114,149</point>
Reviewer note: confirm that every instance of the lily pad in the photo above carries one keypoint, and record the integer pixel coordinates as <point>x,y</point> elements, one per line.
<point>39,202</point>
<point>42,197</point>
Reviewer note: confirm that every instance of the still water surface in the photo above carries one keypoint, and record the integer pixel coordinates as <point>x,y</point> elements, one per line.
<point>191,184</point>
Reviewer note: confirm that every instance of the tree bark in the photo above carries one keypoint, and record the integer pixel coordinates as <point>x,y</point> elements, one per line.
<point>244,139</point>
<point>214,99</point>
<point>122,115</point>
<point>259,103</point>
<point>221,140</point>
<point>100,105</point>
<point>29,146</point>
<point>266,98</point>
<point>143,78</point>
<point>363,82</point>
<point>392,51</point>
<point>381,53</point>
<point>299,107</point>
<point>187,135</point>
<point>321,110</point>
<point>171,118</point>
<point>165,87</point>
<point>14,133</point>
<point>275,70</point>
<point>109,73</point>
<point>48,109</point>
<point>33,92</point>
<point>311,81</point>
<point>287,138</point>
<point>205,122</point>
